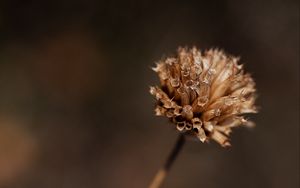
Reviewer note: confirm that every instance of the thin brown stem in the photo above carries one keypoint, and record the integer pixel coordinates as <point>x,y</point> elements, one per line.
<point>162,173</point>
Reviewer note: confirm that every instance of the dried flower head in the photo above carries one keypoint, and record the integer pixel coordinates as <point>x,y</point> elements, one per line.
<point>204,94</point>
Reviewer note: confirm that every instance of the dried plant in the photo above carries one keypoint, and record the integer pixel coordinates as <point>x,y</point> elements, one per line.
<point>204,95</point>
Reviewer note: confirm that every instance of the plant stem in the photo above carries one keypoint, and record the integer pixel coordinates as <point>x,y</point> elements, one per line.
<point>162,173</point>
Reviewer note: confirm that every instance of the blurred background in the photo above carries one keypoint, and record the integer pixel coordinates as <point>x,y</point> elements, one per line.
<point>74,104</point>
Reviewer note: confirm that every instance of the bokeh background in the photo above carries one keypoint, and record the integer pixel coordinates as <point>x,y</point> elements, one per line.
<point>75,110</point>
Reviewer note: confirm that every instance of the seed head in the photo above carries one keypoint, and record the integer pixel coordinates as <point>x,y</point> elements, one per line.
<point>204,94</point>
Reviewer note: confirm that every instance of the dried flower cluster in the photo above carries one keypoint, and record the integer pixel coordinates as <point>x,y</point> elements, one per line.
<point>204,94</point>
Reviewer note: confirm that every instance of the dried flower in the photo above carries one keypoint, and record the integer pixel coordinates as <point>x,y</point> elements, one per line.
<point>204,94</point>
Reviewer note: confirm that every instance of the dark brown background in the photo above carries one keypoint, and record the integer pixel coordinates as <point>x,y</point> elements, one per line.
<point>74,104</point>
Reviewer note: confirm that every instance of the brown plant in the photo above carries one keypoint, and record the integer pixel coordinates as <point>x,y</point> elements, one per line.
<point>204,94</point>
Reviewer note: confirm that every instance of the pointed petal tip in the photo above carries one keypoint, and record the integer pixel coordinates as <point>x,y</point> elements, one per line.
<point>152,90</point>
<point>226,144</point>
